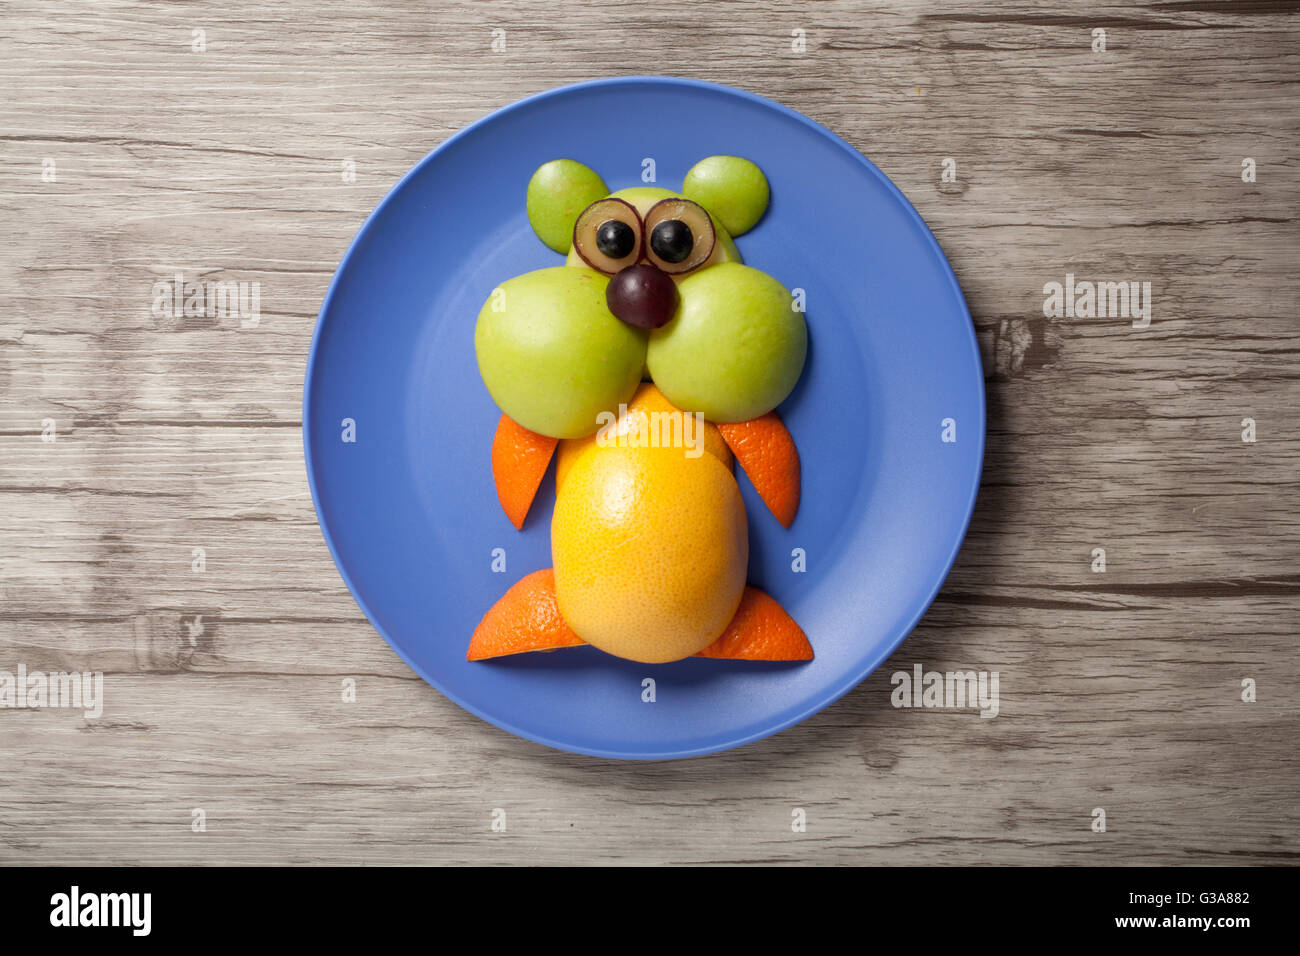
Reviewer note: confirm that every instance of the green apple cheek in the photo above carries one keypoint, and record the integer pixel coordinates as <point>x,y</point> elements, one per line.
<point>551,354</point>
<point>736,347</point>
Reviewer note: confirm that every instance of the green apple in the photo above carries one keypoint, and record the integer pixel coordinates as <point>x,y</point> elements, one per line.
<point>643,197</point>
<point>735,348</point>
<point>551,353</point>
<point>732,189</point>
<point>557,193</point>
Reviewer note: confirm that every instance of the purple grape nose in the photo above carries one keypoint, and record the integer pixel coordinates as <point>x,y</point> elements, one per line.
<point>642,296</point>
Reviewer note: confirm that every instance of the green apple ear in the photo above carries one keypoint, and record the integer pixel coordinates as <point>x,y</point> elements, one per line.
<point>734,190</point>
<point>557,193</point>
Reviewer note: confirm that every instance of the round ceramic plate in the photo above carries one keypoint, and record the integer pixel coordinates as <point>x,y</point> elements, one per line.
<point>888,417</point>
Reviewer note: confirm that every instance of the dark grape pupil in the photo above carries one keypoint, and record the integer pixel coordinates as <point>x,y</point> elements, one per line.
<point>672,241</point>
<point>615,239</point>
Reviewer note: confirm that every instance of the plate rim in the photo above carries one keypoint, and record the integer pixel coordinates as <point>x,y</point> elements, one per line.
<point>837,690</point>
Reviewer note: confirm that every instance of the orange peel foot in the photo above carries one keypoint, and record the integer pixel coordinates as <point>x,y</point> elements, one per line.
<point>766,451</point>
<point>519,461</point>
<point>762,630</point>
<point>525,618</point>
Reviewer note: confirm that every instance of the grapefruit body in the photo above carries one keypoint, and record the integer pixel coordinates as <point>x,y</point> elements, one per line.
<point>651,550</point>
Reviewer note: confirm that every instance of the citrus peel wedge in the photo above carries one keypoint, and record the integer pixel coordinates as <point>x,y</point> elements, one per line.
<point>767,453</point>
<point>520,458</point>
<point>525,618</point>
<point>762,630</point>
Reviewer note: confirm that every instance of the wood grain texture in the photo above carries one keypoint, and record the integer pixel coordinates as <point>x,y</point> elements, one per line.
<point>1119,690</point>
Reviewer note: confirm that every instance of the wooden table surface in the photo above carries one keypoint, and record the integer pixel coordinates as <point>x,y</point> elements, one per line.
<point>133,147</point>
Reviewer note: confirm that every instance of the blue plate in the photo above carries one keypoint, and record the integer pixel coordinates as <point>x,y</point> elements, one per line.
<point>409,510</point>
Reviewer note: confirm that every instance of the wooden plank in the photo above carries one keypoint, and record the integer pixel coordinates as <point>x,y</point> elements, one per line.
<point>1119,690</point>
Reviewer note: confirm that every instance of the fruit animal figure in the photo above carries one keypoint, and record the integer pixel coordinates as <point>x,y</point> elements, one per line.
<point>653,360</point>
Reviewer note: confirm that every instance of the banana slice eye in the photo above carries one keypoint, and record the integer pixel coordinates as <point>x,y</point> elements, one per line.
<point>679,235</point>
<point>608,235</point>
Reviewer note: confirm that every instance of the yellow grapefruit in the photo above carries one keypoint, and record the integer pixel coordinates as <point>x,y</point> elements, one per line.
<point>651,550</point>
<point>651,418</point>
